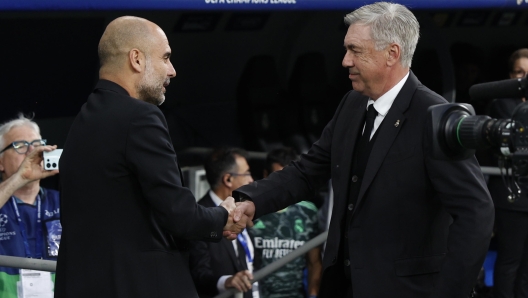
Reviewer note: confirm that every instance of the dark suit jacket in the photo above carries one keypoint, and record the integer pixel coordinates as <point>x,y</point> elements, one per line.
<point>420,227</point>
<point>125,215</point>
<point>210,261</point>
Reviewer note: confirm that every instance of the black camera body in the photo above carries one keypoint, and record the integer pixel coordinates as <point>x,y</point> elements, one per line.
<point>457,132</point>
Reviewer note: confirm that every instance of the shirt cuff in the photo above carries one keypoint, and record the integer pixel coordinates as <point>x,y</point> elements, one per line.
<point>220,285</point>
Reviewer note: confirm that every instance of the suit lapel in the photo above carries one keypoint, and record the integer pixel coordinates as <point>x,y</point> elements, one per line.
<point>387,133</point>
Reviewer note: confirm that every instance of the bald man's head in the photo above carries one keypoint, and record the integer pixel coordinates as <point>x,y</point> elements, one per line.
<point>122,35</point>
<point>135,54</point>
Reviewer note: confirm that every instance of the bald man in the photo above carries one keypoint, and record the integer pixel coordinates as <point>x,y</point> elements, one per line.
<point>126,216</point>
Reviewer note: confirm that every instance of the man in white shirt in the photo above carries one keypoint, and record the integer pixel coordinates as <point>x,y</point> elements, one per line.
<point>216,267</point>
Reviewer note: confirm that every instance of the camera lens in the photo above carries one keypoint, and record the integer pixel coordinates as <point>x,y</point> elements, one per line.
<point>54,165</point>
<point>48,165</point>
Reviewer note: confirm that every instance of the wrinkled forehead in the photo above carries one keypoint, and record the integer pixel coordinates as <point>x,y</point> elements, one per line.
<point>357,33</point>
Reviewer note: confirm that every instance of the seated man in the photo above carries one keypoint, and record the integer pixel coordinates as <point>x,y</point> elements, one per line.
<point>216,267</point>
<point>29,214</point>
<point>294,225</point>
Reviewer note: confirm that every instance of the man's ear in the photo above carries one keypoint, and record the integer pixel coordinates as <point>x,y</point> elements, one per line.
<point>226,180</point>
<point>394,52</point>
<point>136,58</point>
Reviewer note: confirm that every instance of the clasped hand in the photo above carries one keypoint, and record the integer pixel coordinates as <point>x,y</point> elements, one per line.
<point>240,215</point>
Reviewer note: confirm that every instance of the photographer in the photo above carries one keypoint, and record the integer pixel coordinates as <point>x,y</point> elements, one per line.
<point>511,217</point>
<point>29,214</point>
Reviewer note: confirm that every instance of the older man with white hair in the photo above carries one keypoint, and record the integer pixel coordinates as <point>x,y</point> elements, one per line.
<point>403,224</point>
<point>29,214</point>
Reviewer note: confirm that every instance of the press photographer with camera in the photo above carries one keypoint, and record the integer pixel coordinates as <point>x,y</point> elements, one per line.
<point>511,216</point>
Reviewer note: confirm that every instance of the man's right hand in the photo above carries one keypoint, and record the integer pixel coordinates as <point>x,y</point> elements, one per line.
<point>31,168</point>
<point>241,281</point>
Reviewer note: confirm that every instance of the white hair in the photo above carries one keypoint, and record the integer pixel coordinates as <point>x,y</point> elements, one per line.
<point>389,23</point>
<point>20,121</point>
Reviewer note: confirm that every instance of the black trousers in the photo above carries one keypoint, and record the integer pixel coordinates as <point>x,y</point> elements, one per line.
<point>510,277</point>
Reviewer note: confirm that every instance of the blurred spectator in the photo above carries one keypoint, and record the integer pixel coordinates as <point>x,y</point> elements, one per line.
<point>511,216</point>
<point>29,214</point>
<point>294,225</point>
<point>216,267</point>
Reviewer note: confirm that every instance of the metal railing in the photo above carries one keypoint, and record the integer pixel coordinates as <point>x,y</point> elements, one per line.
<point>27,263</point>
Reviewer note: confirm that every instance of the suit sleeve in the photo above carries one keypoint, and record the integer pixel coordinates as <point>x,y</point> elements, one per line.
<point>151,157</point>
<point>295,182</point>
<point>461,188</point>
<point>200,263</point>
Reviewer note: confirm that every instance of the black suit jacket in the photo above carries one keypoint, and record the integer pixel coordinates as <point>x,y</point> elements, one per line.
<point>420,227</point>
<point>210,261</point>
<point>125,215</point>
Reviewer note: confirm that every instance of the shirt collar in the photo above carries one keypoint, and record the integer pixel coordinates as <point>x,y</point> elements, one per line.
<point>216,199</point>
<point>384,103</point>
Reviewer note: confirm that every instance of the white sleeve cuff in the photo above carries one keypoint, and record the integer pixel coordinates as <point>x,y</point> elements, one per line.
<point>220,285</point>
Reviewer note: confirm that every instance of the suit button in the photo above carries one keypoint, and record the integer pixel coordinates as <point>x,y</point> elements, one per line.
<point>350,207</point>
<point>347,263</point>
<point>354,178</point>
<point>213,234</point>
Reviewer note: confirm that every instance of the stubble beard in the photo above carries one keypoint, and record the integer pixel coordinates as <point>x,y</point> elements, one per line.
<point>149,89</point>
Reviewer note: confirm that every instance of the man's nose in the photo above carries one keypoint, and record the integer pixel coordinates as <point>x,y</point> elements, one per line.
<point>172,71</point>
<point>30,148</point>
<point>347,61</point>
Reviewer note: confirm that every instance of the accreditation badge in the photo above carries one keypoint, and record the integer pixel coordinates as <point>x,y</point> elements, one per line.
<point>34,284</point>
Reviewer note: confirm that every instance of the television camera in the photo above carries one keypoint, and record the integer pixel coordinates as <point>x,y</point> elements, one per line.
<point>457,132</point>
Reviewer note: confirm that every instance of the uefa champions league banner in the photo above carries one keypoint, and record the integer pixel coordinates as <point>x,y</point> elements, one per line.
<point>36,5</point>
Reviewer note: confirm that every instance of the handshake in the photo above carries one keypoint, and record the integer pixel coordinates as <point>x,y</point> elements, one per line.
<point>240,215</point>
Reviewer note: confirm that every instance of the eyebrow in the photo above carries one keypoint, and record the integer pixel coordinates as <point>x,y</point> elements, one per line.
<point>350,46</point>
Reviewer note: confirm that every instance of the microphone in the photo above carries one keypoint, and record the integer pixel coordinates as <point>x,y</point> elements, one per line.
<point>513,88</point>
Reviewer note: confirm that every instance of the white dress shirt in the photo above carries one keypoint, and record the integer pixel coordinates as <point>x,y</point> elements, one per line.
<point>384,103</point>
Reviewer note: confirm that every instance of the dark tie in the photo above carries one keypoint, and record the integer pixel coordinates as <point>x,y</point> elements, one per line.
<point>369,125</point>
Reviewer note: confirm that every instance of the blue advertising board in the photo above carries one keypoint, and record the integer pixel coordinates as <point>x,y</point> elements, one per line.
<point>35,5</point>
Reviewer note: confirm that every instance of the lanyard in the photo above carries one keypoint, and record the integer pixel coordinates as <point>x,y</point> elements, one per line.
<point>243,241</point>
<point>23,231</point>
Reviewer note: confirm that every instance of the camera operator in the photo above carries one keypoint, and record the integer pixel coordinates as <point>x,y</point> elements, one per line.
<point>511,217</point>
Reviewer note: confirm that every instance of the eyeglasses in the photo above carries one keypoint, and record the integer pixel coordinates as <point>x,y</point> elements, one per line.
<point>21,147</point>
<point>242,174</point>
<point>519,73</point>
